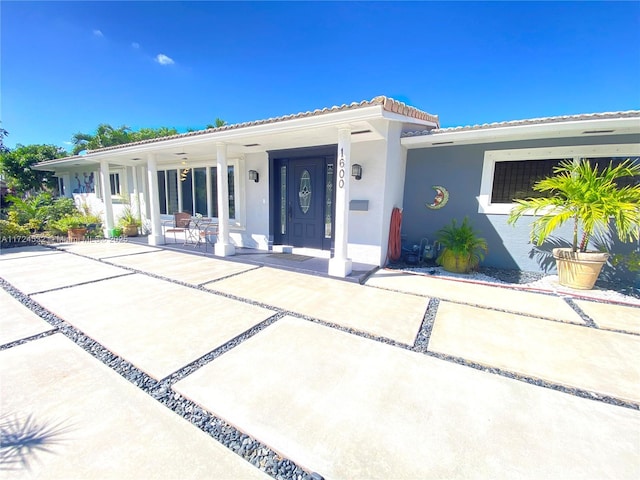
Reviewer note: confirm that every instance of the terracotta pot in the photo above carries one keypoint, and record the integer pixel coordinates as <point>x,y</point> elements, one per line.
<point>76,234</point>
<point>578,270</point>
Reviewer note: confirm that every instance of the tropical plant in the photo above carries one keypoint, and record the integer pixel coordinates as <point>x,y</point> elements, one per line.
<point>10,230</point>
<point>108,136</point>
<point>68,222</point>
<point>463,249</point>
<point>128,217</point>
<point>589,197</point>
<point>3,134</point>
<point>217,123</point>
<point>37,211</point>
<point>16,165</point>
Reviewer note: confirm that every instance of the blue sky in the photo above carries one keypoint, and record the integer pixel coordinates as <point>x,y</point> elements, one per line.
<point>68,66</point>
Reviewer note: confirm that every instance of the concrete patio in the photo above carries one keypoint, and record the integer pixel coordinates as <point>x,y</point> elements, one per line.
<point>403,377</point>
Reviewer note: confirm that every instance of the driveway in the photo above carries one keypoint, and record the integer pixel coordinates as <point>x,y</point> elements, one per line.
<point>128,361</point>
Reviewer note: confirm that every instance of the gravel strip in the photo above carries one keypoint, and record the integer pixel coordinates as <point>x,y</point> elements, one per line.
<point>250,449</point>
<point>255,452</point>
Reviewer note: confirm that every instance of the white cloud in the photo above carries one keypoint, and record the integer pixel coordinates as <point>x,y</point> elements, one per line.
<point>162,59</point>
<point>98,33</point>
<point>135,45</point>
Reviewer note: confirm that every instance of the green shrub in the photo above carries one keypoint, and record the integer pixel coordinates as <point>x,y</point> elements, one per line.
<point>61,207</point>
<point>38,211</point>
<point>10,230</point>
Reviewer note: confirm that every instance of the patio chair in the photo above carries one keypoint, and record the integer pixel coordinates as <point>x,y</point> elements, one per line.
<point>180,224</point>
<point>209,234</point>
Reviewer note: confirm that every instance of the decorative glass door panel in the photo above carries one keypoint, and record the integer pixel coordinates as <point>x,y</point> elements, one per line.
<point>306,219</point>
<point>304,195</point>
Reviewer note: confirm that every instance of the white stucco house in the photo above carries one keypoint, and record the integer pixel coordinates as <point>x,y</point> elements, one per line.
<point>328,180</point>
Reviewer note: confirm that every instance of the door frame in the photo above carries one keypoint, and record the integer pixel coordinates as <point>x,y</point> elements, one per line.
<point>326,153</point>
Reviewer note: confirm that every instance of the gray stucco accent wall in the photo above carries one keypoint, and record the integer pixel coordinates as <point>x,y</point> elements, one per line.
<point>459,169</point>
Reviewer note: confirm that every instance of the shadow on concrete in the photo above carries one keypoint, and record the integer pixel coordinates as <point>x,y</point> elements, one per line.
<point>23,439</point>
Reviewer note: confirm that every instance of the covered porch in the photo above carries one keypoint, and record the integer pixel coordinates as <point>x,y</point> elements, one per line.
<point>325,180</point>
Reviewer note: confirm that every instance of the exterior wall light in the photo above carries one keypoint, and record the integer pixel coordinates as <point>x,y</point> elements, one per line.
<point>253,175</point>
<point>356,171</point>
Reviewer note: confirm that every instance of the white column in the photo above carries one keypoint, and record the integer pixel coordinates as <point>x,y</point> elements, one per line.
<point>179,190</point>
<point>223,247</point>
<point>106,197</point>
<point>136,193</point>
<point>340,265</point>
<point>209,192</point>
<point>155,236</point>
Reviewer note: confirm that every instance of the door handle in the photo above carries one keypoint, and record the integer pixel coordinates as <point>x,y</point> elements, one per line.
<point>290,212</point>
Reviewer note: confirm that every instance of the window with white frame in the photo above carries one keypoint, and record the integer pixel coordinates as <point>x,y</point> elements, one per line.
<point>114,184</point>
<point>510,174</point>
<point>188,188</point>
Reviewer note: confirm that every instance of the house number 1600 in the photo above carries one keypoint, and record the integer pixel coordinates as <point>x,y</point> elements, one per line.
<point>341,170</point>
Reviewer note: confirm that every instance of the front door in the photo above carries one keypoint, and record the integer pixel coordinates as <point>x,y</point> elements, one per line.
<point>305,202</point>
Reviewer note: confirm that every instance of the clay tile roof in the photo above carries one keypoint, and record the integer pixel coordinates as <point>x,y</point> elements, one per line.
<point>388,104</point>
<point>531,121</point>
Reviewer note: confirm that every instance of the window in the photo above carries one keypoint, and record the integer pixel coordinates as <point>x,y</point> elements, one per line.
<point>511,174</point>
<point>603,162</point>
<point>515,179</point>
<point>162,191</point>
<point>186,177</point>
<point>168,191</point>
<point>231,186</point>
<point>200,190</point>
<point>172,191</point>
<point>114,182</point>
<point>193,191</point>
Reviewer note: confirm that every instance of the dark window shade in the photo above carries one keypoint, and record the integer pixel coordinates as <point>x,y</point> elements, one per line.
<point>515,179</point>
<point>604,162</point>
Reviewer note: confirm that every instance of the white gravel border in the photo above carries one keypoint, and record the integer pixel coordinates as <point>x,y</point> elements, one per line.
<point>547,284</point>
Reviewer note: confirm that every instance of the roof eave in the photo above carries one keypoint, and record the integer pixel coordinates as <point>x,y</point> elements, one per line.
<point>611,126</point>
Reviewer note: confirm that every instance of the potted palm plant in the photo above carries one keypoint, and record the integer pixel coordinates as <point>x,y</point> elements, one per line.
<point>74,225</point>
<point>589,197</point>
<point>462,248</point>
<point>129,222</point>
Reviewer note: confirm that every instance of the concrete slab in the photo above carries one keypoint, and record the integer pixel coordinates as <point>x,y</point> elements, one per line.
<point>546,306</point>
<point>392,315</point>
<point>92,423</point>
<point>17,321</point>
<point>22,252</point>
<point>586,358</point>
<point>156,325</point>
<point>101,248</point>
<point>349,407</point>
<point>186,268</point>
<point>38,273</point>
<point>613,317</point>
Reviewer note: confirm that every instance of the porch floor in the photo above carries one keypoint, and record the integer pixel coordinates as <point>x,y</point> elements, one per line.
<point>299,261</point>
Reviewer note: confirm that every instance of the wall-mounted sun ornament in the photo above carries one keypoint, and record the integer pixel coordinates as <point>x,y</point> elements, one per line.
<point>441,198</point>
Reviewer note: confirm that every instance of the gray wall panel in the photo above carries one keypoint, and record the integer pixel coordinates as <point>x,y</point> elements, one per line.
<point>459,169</point>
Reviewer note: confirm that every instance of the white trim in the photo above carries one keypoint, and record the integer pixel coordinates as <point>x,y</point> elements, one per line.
<point>501,133</point>
<point>576,152</point>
